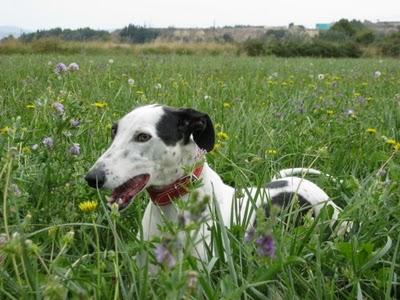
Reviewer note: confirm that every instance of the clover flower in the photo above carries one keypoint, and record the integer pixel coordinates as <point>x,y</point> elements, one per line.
<point>377,74</point>
<point>74,123</point>
<point>164,255</point>
<point>73,67</point>
<point>60,68</point>
<point>321,77</point>
<point>59,107</point>
<point>266,246</point>
<point>75,149</point>
<point>131,81</point>
<point>88,206</point>
<point>48,142</point>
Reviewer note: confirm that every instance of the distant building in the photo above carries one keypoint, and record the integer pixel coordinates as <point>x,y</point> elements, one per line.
<point>323,26</point>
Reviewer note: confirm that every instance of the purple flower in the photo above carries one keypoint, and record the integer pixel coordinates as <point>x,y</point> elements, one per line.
<point>73,67</point>
<point>249,236</point>
<point>164,255</point>
<point>75,149</point>
<point>60,68</point>
<point>75,123</point>
<point>58,107</point>
<point>48,142</point>
<point>266,246</point>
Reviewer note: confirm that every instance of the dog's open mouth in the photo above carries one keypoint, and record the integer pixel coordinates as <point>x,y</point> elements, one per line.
<point>124,194</point>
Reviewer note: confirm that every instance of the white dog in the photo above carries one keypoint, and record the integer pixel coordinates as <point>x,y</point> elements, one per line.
<point>151,149</point>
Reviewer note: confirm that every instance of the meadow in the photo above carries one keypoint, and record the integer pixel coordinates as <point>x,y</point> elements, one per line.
<point>341,116</point>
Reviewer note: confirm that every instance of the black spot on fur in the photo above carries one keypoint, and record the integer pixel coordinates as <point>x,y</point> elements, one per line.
<point>277,184</point>
<point>284,200</point>
<point>178,125</point>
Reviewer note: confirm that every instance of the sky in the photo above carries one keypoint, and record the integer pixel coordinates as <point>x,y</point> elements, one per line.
<point>113,14</point>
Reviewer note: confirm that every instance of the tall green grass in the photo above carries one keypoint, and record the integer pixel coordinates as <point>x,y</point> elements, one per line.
<point>268,113</point>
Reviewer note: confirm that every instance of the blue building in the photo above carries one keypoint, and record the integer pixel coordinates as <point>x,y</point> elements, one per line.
<point>323,26</point>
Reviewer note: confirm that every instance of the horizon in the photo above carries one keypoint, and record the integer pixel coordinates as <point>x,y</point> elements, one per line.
<point>106,15</point>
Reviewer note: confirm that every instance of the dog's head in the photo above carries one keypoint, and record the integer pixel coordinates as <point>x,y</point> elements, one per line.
<point>150,147</point>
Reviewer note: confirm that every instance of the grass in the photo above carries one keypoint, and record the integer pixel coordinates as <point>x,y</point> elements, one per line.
<point>269,114</point>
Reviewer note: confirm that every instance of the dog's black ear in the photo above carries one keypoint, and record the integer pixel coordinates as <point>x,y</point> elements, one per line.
<point>199,124</point>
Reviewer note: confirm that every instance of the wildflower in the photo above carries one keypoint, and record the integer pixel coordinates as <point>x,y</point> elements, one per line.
<point>217,146</point>
<point>206,97</point>
<point>110,61</point>
<point>60,68</point>
<point>48,142</point>
<point>164,255</point>
<point>75,149</point>
<point>227,105</point>
<point>321,76</point>
<point>131,81</point>
<point>391,142</point>
<point>58,107</point>
<point>349,113</point>
<point>100,104</point>
<point>330,112</point>
<point>158,86</point>
<point>4,130</point>
<point>397,147</point>
<point>35,147</point>
<point>250,234</point>
<point>377,74</point>
<point>266,246</point>
<point>73,67</point>
<point>74,123</point>
<point>49,63</point>
<point>371,130</point>
<point>271,151</point>
<point>88,206</point>
<point>222,135</point>
<point>30,106</point>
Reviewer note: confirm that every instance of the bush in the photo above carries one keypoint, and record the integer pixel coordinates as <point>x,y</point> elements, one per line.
<point>391,45</point>
<point>254,47</point>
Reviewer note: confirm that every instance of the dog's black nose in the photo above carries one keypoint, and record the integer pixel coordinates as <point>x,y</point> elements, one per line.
<point>96,178</point>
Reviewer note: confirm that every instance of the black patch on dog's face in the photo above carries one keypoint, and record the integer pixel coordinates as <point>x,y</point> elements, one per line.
<point>179,124</point>
<point>277,184</point>
<point>284,200</point>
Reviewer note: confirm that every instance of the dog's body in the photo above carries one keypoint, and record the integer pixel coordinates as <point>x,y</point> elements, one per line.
<point>151,147</point>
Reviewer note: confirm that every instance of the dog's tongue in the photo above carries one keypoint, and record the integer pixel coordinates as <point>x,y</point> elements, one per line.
<point>124,194</point>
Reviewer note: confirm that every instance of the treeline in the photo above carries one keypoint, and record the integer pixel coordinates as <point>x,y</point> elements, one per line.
<point>344,39</point>
<point>130,34</point>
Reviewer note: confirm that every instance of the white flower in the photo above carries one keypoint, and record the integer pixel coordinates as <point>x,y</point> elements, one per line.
<point>377,74</point>
<point>131,81</point>
<point>110,61</point>
<point>35,147</point>
<point>73,67</point>
<point>321,76</point>
<point>158,86</point>
<point>206,97</point>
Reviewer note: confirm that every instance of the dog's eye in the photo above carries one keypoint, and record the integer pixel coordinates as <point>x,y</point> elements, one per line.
<point>114,130</point>
<point>142,137</point>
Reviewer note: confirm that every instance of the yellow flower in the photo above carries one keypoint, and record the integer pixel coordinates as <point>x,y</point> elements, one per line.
<point>100,104</point>
<point>271,151</point>
<point>330,112</point>
<point>5,130</point>
<point>217,146</point>
<point>139,92</point>
<point>30,106</point>
<point>397,147</point>
<point>88,206</point>
<point>222,135</point>
<point>391,142</point>
<point>371,130</point>
<point>227,105</point>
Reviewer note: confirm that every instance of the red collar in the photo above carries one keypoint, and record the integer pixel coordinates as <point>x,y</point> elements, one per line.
<point>165,195</point>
